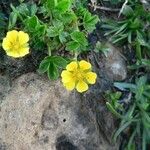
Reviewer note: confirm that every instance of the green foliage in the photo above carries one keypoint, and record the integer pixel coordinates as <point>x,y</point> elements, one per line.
<point>133,109</point>
<point>86,19</point>
<point>137,116</point>
<point>54,25</point>
<point>132,30</point>
<point>78,43</point>
<point>89,21</point>
<point>114,99</point>
<point>143,63</point>
<point>58,25</point>
<point>113,102</point>
<point>102,47</point>
<point>51,65</point>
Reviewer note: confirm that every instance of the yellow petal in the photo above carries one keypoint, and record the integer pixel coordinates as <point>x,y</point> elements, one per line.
<point>72,66</point>
<point>23,51</point>
<point>13,54</point>
<point>66,76</point>
<point>6,44</point>
<point>84,65</point>
<point>12,36</point>
<point>23,37</point>
<point>20,53</point>
<point>91,77</point>
<point>81,86</point>
<point>70,85</point>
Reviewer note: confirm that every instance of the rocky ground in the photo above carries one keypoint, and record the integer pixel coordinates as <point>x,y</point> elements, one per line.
<point>38,114</point>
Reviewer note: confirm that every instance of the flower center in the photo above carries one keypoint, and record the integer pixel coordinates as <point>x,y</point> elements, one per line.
<point>78,75</point>
<point>15,46</point>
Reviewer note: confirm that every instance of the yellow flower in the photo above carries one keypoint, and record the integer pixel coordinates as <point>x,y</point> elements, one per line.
<point>16,44</point>
<point>78,75</point>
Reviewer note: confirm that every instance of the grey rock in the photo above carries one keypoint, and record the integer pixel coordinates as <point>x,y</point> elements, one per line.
<point>2,145</point>
<point>38,114</point>
<point>4,86</point>
<point>114,66</point>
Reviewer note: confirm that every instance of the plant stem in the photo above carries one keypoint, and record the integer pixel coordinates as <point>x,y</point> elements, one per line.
<point>107,9</point>
<point>104,8</point>
<point>109,106</point>
<point>49,50</point>
<point>56,2</point>
<point>51,17</point>
<point>75,56</point>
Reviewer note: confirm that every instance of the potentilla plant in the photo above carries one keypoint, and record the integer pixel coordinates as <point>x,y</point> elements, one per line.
<point>53,25</point>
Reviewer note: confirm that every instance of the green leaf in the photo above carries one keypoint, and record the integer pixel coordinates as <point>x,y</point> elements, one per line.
<point>89,21</point>
<point>135,24</point>
<point>130,37</point>
<point>32,22</point>
<point>140,82</point>
<point>121,128</point>
<point>110,107</point>
<point>145,62</point>
<point>68,17</point>
<point>63,6</point>
<point>144,140</point>
<point>121,28</point>
<point>146,116</point>
<point>147,94</point>
<point>44,65</point>
<point>63,37</point>
<point>129,114</point>
<point>40,31</point>
<point>33,9</point>
<point>141,39</point>
<point>26,9</point>
<point>148,135</point>
<point>50,5</point>
<point>117,95</point>
<point>112,31</point>
<point>130,143</point>
<point>102,47</point>
<point>21,1</point>
<point>57,23</point>
<point>23,9</point>
<point>52,72</point>
<point>127,10</point>
<point>79,37</point>
<point>72,46</point>
<point>124,86</point>
<point>59,61</point>
<point>79,42</point>
<point>56,29</point>
<point>51,64</point>
<point>52,31</point>
<point>12,20</point>
<point>119,39</point>
<point>138,50</point>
